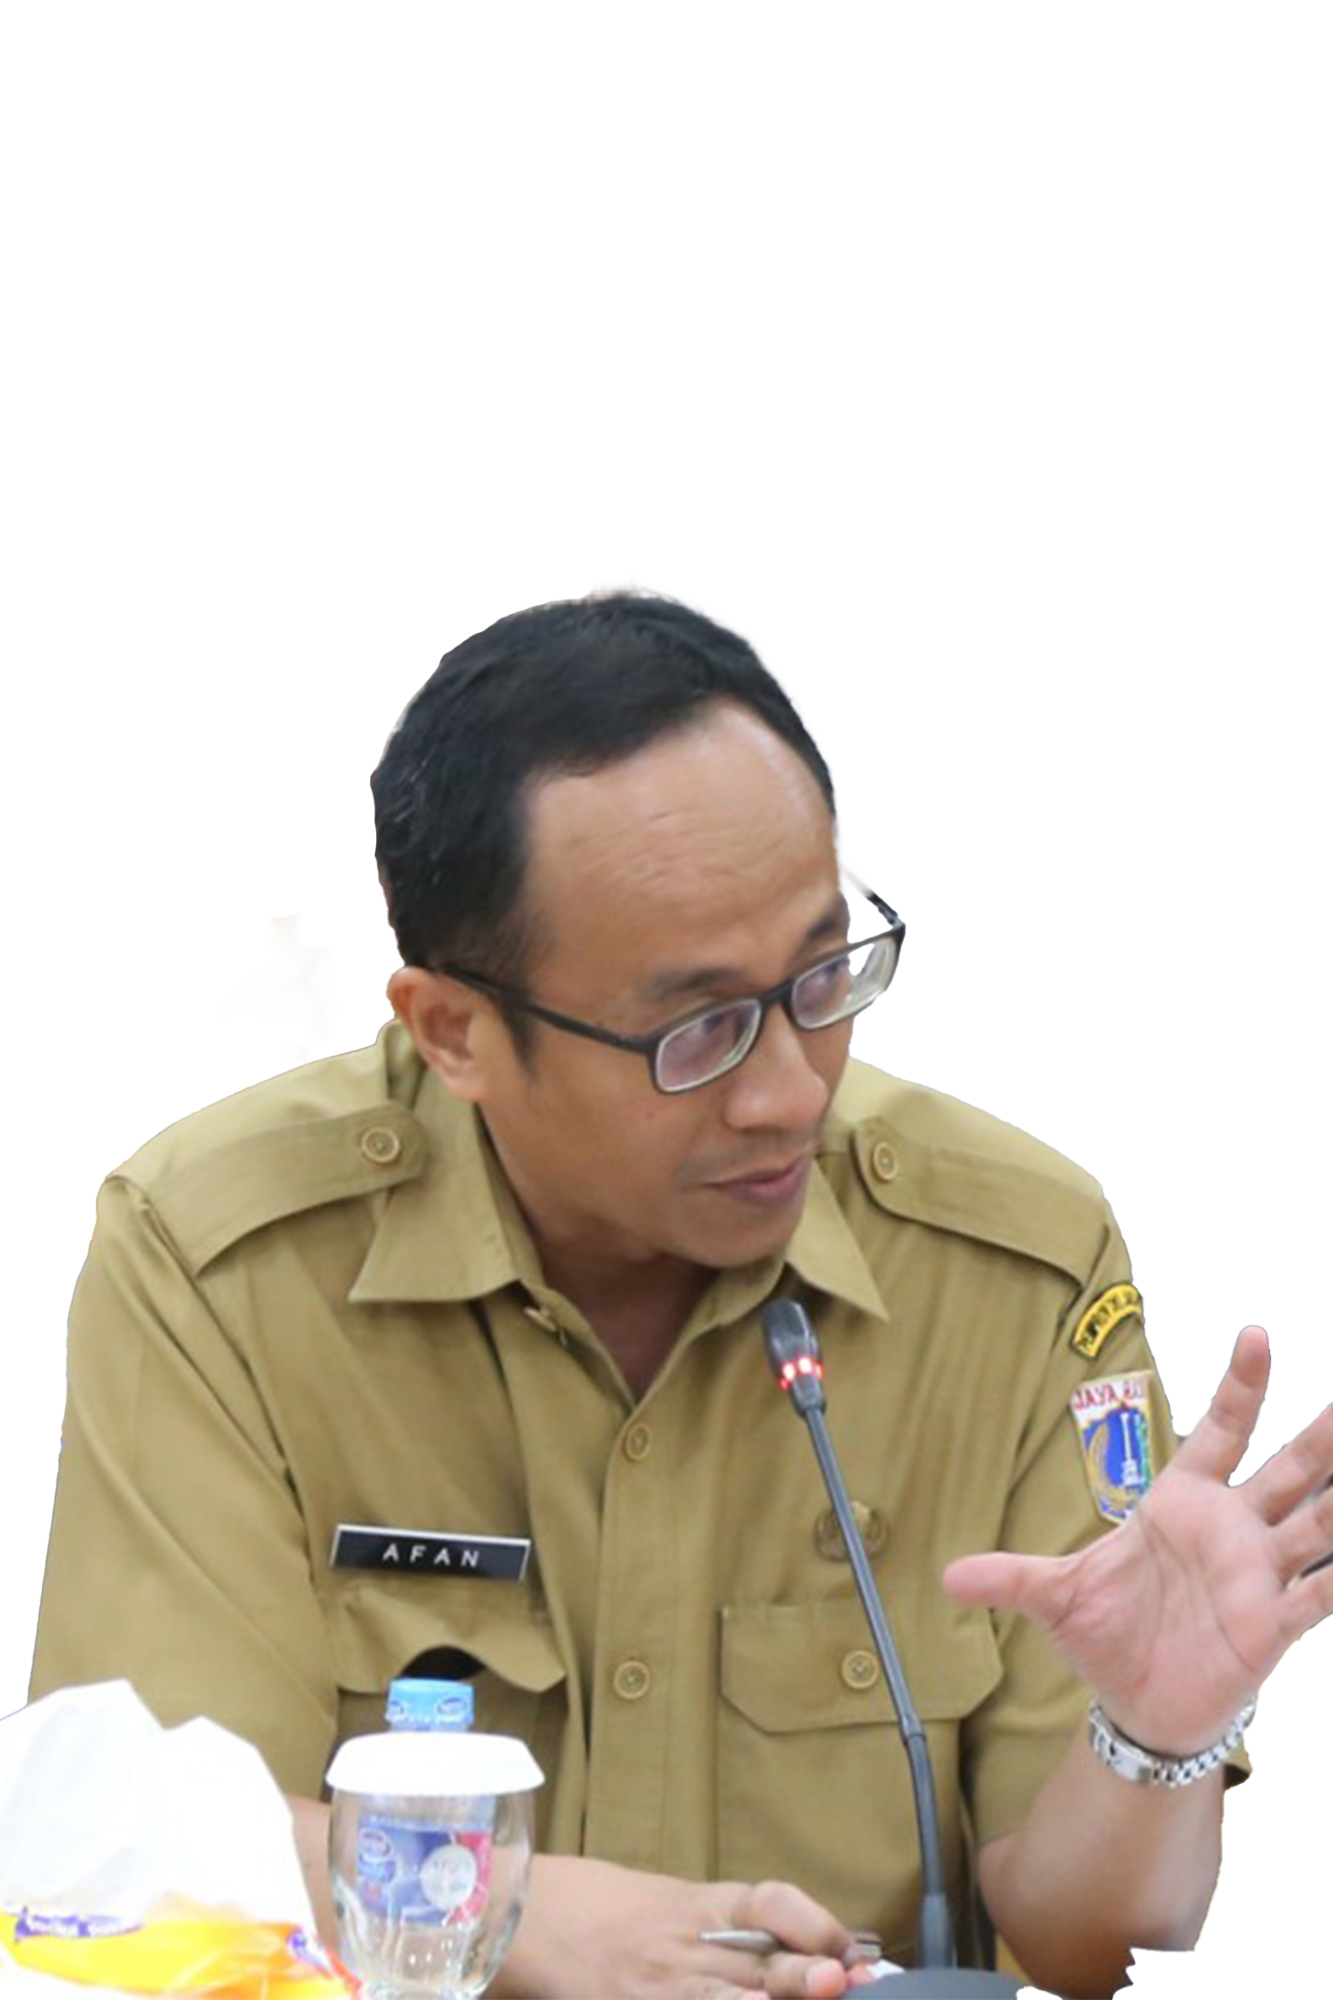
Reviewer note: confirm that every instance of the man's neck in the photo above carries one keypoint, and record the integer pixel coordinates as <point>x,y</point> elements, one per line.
<point>637,1307</point>
<point>637,1313</point>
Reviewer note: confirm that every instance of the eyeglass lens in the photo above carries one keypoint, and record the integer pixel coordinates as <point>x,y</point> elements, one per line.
<point>701,1049</point>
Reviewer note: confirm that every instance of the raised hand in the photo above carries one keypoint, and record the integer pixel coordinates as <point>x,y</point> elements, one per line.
<point>1177,1618</point>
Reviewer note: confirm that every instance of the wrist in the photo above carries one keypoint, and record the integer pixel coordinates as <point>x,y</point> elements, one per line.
<point>1139,1763</point>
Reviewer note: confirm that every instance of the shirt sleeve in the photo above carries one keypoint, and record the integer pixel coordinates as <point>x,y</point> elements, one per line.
<point>178,1557</point>
<point>1062,1496</point>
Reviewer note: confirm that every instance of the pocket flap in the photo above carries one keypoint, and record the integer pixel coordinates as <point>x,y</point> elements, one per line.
<point>379,1625</point>
<point>787,1667</point>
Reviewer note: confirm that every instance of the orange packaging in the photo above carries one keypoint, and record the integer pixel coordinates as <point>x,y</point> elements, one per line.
<point>228,1960</point>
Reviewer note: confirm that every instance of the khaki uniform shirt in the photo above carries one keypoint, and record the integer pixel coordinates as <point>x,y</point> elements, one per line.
<point>316,1303</point>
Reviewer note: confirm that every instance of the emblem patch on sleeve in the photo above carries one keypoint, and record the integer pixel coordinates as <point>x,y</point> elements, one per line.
<point>1104,1315</point>
<point>1112,1421</point>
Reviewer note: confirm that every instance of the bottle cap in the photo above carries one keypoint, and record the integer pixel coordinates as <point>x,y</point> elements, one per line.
<point>422,1704</point>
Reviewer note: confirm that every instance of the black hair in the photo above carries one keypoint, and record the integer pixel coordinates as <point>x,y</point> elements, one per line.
<point>562,688</point>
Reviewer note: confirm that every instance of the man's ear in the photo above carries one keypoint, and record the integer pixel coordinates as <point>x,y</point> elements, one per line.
<point>444,1017</point>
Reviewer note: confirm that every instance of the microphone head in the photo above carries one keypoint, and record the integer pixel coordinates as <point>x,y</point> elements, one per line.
<point>792,1346</point>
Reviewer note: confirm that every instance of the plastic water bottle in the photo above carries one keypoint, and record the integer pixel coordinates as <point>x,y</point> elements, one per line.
<point>416,1873</point>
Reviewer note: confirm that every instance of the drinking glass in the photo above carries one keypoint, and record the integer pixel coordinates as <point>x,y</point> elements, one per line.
<point>430,1848</point>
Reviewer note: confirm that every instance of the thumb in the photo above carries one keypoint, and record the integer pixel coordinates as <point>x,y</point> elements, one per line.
<point>1029,1584</point>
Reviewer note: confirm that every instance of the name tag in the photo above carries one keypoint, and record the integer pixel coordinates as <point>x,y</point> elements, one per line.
<point>418,1552</point>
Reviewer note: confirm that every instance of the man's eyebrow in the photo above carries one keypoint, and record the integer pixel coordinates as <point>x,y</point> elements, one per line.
<point>702,980</point>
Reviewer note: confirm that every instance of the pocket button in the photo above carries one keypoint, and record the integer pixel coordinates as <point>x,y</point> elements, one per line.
<point>860,1669</point>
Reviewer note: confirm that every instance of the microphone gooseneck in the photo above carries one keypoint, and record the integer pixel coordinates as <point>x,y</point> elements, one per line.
<point>795,1358</point>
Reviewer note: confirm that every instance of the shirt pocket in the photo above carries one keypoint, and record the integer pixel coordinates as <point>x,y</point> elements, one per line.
<point>494,1635</point>
<point>813,1784</point>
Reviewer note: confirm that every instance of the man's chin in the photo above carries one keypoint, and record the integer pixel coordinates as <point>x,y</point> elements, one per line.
<point>752,1219</point>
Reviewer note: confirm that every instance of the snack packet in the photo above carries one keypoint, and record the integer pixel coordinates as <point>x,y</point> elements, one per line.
<point>145,1860</point>
<point>227,1959</point>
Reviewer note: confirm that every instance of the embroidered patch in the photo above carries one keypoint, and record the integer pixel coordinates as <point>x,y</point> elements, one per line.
<point>1104,1315</point>
<point>1112,1421</point>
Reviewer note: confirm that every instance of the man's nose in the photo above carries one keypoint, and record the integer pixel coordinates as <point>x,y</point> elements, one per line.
<point>778,1086</point>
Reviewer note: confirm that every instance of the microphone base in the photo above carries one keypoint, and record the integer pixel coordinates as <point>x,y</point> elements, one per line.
<point>939,1983</point>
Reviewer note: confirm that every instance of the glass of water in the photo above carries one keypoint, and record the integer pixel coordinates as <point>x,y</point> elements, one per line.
<point>430,1849</point>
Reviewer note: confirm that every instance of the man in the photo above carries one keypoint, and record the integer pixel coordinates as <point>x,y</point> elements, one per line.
<point>496,1283</point>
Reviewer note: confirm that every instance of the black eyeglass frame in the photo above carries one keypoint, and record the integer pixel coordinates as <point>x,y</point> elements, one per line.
<point>649,1045</point>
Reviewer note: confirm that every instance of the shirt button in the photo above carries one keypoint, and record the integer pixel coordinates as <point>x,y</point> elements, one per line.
<point>872,1524</point>
<point>883,1161</point>
<point>860,1670</point>
<point>540,1316</point>
<point>632,1680</point>
<point>380,1145</point>
<point>638,1442</point>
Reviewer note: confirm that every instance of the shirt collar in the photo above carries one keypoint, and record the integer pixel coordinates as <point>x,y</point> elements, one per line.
<point>455,1232</point>
<point>443,1236</point>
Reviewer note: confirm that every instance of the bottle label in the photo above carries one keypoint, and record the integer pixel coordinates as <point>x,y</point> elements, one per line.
<point>422,1874</point>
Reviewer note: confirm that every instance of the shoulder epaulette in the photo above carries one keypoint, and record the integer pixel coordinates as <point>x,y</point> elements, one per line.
<point>322,1134</point>
<point>931,1159</point>
<point>211,1202</point>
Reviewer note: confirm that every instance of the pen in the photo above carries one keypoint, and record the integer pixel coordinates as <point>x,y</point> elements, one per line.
<point>863,1949</point>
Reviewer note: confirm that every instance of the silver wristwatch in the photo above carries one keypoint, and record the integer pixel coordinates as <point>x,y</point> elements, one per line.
<point>1129,1760</point>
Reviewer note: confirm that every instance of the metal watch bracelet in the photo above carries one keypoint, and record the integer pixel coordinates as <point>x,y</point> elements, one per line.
<point>1129,1760</point>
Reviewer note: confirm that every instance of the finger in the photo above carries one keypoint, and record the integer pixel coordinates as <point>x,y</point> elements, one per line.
<point>1037,1586</point>
<point>1295,1472</point>
<point>1305,1538</point>
<point>796,1976</point>
<point>789,1974</point>
<point>1307,1603</point>
<point>804,1926</point>
<point>740,1985</point>
<point>1219,1441</point>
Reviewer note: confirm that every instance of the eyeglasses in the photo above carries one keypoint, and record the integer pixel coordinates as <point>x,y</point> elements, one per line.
<point>705,1045</point>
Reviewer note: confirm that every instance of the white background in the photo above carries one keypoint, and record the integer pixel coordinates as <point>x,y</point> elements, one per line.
<point>972,360</point>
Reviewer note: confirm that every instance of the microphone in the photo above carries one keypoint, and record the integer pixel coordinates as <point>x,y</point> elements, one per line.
<point>795,1358</point>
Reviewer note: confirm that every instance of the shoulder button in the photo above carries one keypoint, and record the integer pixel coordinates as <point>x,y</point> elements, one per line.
<point>883,1161</point>
<point>380,1145</point>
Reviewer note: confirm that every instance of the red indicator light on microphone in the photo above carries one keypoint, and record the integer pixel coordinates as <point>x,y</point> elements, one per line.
<point>806,1365</point>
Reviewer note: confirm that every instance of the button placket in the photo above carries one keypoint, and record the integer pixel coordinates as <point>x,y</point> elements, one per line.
<point>630,1748</point>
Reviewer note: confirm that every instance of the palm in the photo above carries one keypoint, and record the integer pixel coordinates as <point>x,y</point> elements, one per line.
<point>1178,1617</point>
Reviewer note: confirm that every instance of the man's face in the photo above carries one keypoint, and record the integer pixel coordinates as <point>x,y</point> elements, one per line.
<point>700,869</point>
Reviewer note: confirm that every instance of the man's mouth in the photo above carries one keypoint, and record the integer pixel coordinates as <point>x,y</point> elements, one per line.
<point>768,1186</point>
